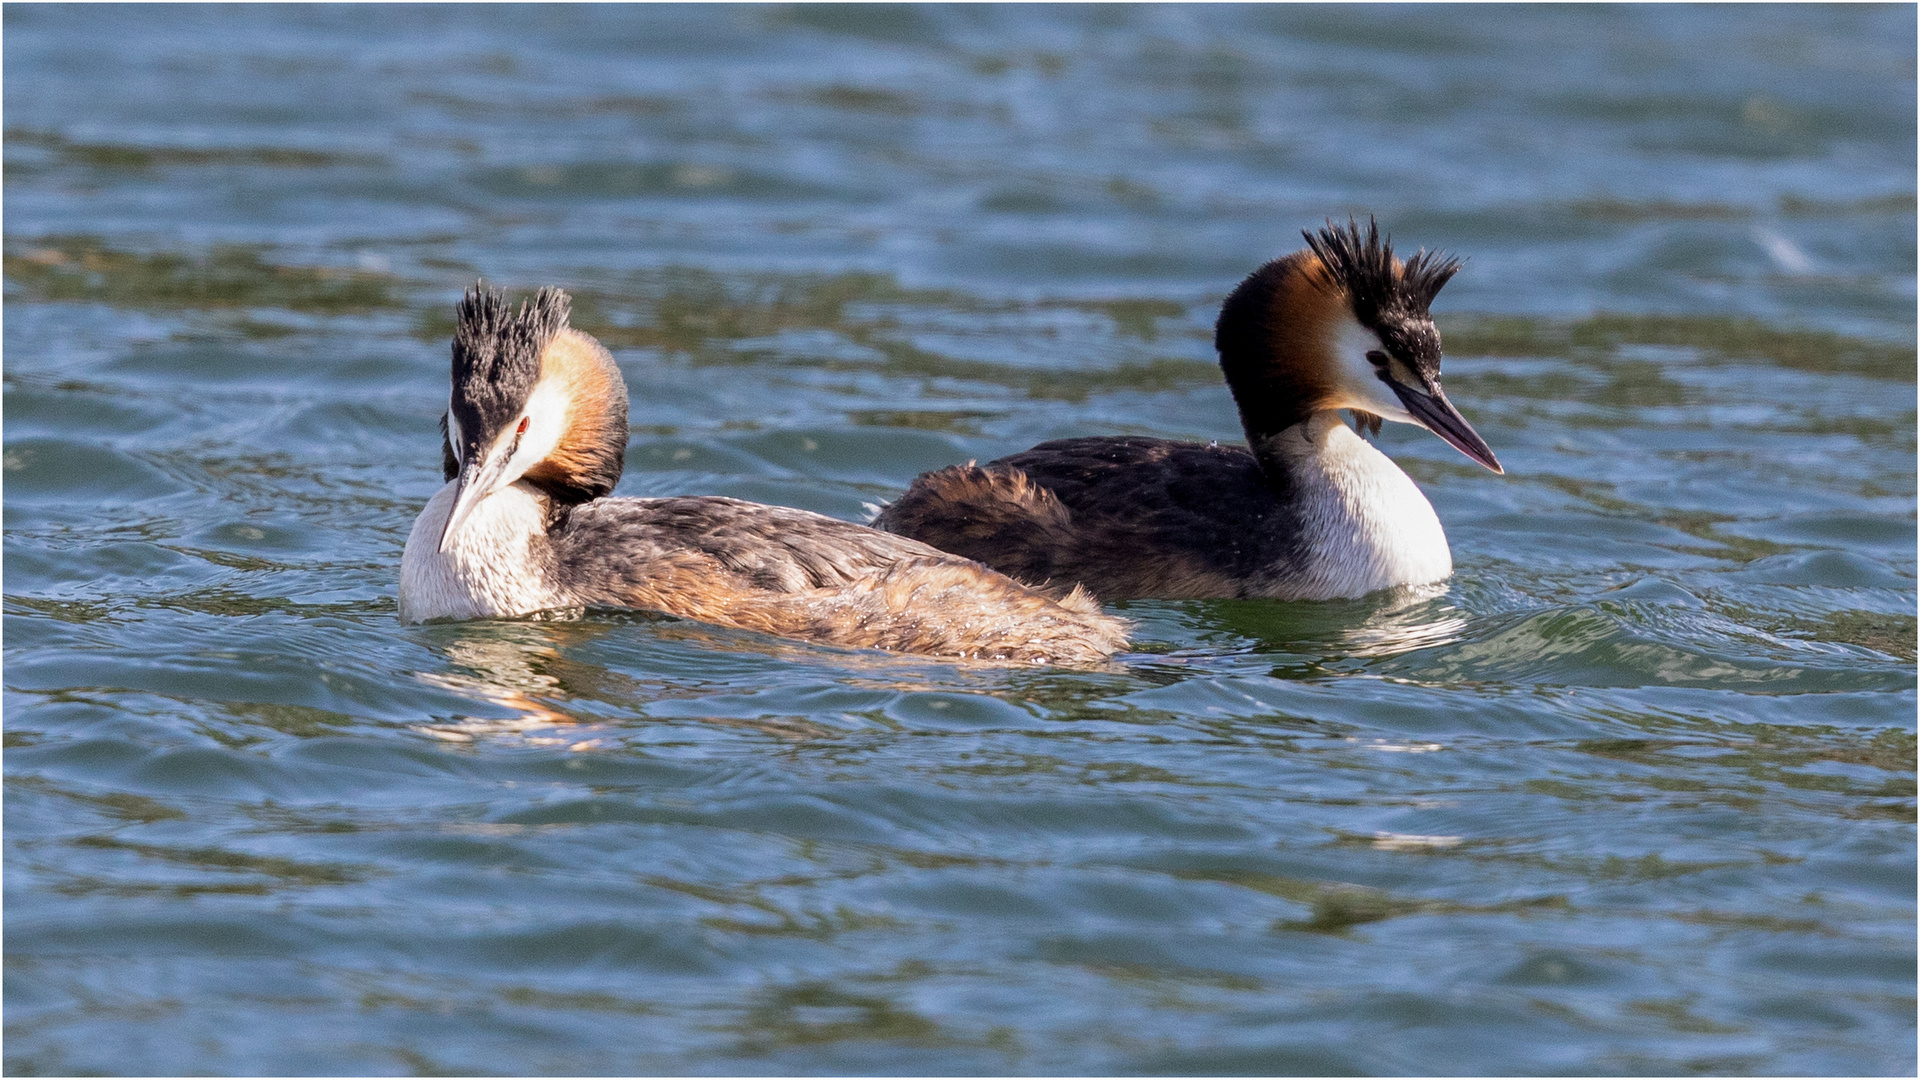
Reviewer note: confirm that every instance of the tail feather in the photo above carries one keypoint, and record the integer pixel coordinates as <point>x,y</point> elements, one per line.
<point>999,517</point>
<point>1080,600</point>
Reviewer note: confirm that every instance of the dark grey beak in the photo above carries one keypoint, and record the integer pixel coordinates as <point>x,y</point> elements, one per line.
<point>477,481</point>
<point>1440,417</point>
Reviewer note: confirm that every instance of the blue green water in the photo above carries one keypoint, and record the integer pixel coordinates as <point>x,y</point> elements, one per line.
<point>1634,793</point>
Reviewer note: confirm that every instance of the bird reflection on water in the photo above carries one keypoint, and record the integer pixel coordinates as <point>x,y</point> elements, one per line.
<point>516,666</point>
<point>1412,618</point>
<point>531,669</point>
<point>1314,636</point>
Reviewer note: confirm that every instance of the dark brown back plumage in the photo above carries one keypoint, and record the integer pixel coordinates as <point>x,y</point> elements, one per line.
<point>1125,517</point>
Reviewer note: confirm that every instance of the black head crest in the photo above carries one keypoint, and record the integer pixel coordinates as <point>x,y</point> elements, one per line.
<point>496,354</point>
<point>1394,303</point>
<point>1362,264</point>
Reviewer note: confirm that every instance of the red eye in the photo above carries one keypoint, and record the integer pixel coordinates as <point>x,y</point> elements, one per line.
<point>522,429</point>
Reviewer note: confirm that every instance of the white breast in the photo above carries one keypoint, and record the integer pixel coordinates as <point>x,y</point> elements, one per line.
<point>1366,524</point>
<point>491,569</point>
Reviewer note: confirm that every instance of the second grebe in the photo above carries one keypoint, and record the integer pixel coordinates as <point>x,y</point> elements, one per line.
<point>1308,510</point>
<point>534,438</point>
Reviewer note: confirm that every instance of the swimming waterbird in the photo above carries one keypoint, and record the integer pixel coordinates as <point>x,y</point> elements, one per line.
<point>533,441</point>
<point>1307,510</point>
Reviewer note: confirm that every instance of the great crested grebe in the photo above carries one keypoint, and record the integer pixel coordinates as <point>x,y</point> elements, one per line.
<point>533,441</point>
<point>1308,510</point>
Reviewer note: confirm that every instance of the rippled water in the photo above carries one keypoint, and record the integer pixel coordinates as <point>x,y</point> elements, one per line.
<point>1633,793</point>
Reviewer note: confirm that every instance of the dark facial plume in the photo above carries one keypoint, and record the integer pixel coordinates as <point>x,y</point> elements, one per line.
<point>1247,337</point>
<point>1395,304</point>
<point>496,358</point>
<point>449,464</point>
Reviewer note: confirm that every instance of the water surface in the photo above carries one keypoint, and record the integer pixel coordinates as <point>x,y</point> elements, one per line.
<point>1633,793</point>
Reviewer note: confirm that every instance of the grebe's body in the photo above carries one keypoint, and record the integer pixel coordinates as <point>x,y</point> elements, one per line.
<point>535,438</point>
<point>1138,517</point>
<point>1308,510</point>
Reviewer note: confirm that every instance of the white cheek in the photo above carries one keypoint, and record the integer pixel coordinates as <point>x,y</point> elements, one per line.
<point>546,415</point>
<point>1360,385</point>
<point>454,434</point>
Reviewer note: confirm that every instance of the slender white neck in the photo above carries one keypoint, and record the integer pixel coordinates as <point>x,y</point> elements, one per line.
<point>494,567</point>
<point>1364,522</point>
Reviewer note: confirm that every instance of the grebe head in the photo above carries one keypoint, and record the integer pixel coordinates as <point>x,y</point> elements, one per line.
<point>1342,325</point>
<point>534,400</point>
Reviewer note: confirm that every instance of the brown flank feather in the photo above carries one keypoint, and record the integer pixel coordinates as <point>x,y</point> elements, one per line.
<point>797,574</point>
